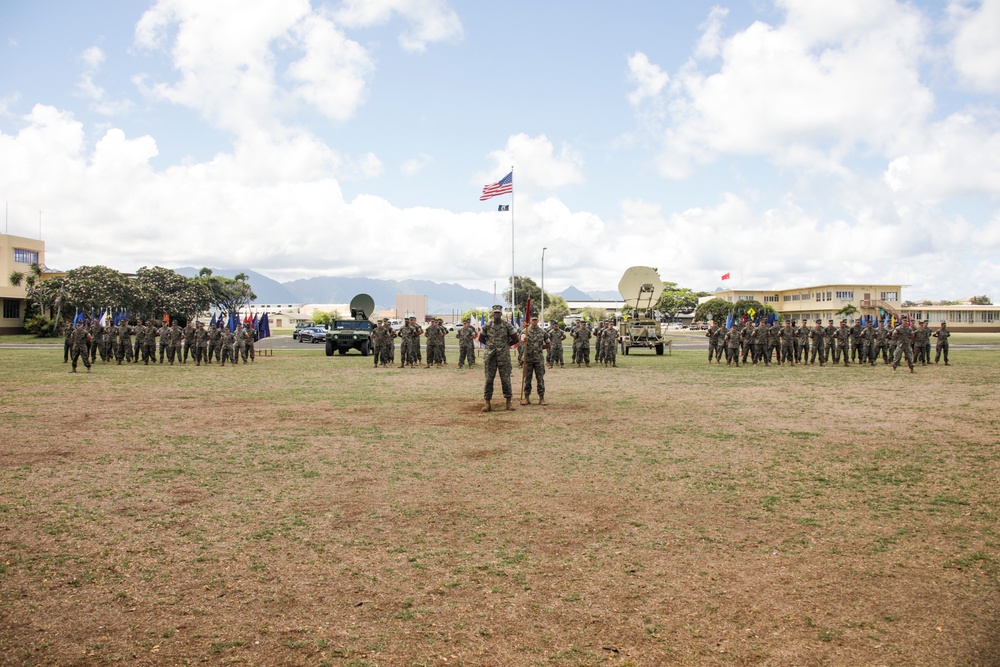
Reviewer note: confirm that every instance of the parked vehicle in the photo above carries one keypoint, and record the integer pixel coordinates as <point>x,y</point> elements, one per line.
<point>299,326</point>
<point>312,335</point>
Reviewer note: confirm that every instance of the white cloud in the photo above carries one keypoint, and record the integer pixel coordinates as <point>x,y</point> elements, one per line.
<point>649,79</point>
<point>93,58</point>
<point>429,20</point>
<point>536,163</point>
<point>414,166</point>
<point>959,156</point>
<point>710,43</point>
<point>975,47</point>
<point>838,76</point>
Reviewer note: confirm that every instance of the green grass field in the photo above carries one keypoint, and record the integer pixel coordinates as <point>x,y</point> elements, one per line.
<point>315,511</point>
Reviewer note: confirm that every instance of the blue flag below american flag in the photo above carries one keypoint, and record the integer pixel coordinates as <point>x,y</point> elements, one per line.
<point>503,207</point>
<point>504,186</point>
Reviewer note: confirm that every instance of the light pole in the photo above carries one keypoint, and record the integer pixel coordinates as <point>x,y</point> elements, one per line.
<point>541,313</point>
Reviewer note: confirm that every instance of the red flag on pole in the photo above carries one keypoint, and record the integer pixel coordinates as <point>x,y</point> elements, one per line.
<point>725,276</point>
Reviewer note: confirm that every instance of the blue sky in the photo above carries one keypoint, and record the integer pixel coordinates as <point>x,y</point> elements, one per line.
<point>792,142</point>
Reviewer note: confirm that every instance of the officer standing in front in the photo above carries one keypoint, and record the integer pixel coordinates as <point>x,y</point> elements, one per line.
<point>497,337</point>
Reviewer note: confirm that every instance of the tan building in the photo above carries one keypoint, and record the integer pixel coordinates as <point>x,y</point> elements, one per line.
<point>822,302</point>
<point>17,253</point>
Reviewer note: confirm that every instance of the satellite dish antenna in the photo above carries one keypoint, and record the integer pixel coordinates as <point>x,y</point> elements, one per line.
<point>641,287</point>
<point>362,306</point>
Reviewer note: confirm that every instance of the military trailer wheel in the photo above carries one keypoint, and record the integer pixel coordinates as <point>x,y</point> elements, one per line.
<point>659,348</point>
<point>329,348</point>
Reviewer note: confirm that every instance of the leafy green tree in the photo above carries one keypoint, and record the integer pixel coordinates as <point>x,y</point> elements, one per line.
<point>325,318</point>
<point>676,299</point>
<point>91,289</point>
<point>556,308</point>
<point>981,301</point>
<point>477,315</point>
<point>592,314</point>
<point>166,292</point>
<point>713,309</point>
<point>45,295</point>
<point>847,310</point>
<point>228,294</point>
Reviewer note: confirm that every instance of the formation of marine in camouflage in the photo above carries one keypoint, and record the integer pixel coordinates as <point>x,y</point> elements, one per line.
<point>130,343</point>
<point>793,345</point>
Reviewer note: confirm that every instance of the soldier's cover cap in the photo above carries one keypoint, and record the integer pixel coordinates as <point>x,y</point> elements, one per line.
<point>465,321</point>
<point>534,317</point>
<point>497,309</point>
<point>819,321</point>
<point>943,322</point>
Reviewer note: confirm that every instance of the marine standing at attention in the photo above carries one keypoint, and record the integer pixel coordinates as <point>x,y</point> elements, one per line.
<point>534,340</point>
<point>497,337</point>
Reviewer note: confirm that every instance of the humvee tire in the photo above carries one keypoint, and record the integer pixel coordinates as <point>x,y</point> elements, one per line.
<point>329,348</point>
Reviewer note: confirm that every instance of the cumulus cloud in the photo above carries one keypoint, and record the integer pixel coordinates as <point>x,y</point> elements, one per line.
<point>428,21</point>
<point>975,45</point>
<point>648,78</point>
<point>536,163</point>
<point>415,165</point>
<point>93,58</point>
<point>833,75</point>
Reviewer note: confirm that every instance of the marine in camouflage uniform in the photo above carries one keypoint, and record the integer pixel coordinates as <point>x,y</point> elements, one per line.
<point>786,353</point>
<point>188,340</point>
<point>79,341</point>
<point>214,343</point>
<point>140,338</point>
<point>903,335</point>
<point>802,343</point>
<point>227,346</point>
<point>123,351</point>
<point>406,341</point>
<point>497,337</point>
<point>435,343</point>
<point>556,338</point>
<point>762,344</point>
<point>200,344</point>
<point>96,333</point>
<point>165,341</point>
<point>942,343</point>
<point>149,351</point>
<point>599,347</point>
<point>818,336</point>
<point>841,342</point>
<point>713,340</point>
<point>534,340</point>
<point>867,342</point>
<point>466,345</point>
<point>377,343</point>
<point>388,345</point>
<point>922,344</point>
<point>856,341</point>
<point>67,330</point>
<point>610,341</point>
<point>880,347</point>
<point>733,339</point>
<point>581,345</point>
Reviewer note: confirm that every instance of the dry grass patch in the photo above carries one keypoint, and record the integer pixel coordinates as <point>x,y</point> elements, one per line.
<point>314,511</point>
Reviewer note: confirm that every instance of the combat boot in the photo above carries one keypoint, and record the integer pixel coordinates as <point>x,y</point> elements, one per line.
<point>508,406</point>
<point>488,407</point>
<point>526,400</point>
<point>541,400</point>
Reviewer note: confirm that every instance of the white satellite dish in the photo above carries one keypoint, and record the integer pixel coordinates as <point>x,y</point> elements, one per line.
<point>362,306</point>
<point>641,287</point>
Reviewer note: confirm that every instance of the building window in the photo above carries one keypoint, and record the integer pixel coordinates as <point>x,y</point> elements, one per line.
<point>11,309</point>
<point>805,297</point>
<point>845,295</point>
<point>22,256</point>
<point>771,299</point>
<point>788,297</point>
<point>890,296</point>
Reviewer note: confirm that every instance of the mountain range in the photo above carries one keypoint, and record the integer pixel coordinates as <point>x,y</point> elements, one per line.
<point>441,297</point>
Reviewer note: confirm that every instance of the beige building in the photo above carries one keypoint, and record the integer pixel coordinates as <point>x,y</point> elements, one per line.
<point>822,302</point>
<point>17,253</point>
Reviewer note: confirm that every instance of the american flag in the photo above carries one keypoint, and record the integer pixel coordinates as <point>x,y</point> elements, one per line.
<point>502,187</point>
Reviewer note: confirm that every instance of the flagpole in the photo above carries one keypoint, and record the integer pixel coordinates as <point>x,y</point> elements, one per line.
<point>513,300</point>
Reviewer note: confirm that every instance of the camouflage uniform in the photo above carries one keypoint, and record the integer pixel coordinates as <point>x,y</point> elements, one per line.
<point>188,340</point>
<point>466,345</point>
<point>922,344</point>
<point>165,341</point>
<point>200,344</point>
<point>610,341</point>
<point>79,340</point>
<point>533,340</point>
<point>942,343</point>
<point>818,335</point>
<point>802,343</point>
<point>713,340</point>
<point>903,335</point>
<point>214,343</point>
<point>856,341</point>
<point>842,339</point>
<point>556,338</point>
<point>96,334</point>
<point>124,348</point>
<point>377,343</point>
<point>388,345</point>
<point>435,343</point>
<point>733,338</point>
<point>406,335</point>
<point>786,353</point>
<point>581,345</point>
<point>149,351</point>
<point>227,342</point>
<point>880,345</point>
<point>497,336</point>
<point>140,339</point>
<point>867,342</point>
